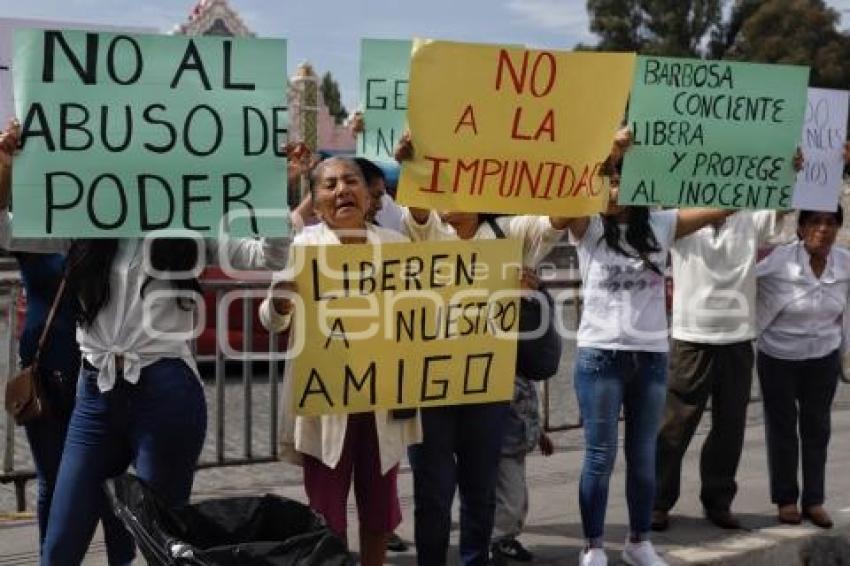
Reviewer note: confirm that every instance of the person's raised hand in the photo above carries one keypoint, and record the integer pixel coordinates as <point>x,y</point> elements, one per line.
<point>9,143</point>
<point>356,123</point>
<point>404,148</point>
<point>529,280</point>
<point>623,139</point>
<point>282,304</point>
<point>798,160</point>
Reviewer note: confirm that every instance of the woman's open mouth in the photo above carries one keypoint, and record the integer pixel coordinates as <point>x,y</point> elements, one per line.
<point>345,205</point>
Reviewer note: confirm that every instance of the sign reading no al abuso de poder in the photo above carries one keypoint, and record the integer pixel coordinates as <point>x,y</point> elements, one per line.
<point>123,134</point>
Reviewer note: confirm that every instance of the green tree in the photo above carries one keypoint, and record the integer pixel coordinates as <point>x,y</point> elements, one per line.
<point>333,98</point>
<point>617,23</point>
<point>798,32</point>
<point>660,27</point>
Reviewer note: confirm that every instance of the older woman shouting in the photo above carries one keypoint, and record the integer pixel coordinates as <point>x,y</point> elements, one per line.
<point>802,307</point>
<point>333,449</point>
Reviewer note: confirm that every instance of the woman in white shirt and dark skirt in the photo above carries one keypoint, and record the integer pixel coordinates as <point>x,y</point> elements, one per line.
<point>338,449</point>
<point>802,319</point>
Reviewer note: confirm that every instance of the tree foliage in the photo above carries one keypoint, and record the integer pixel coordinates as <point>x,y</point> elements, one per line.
<point>799,32</point>
<point>333,98</point>
<point>661,27</point>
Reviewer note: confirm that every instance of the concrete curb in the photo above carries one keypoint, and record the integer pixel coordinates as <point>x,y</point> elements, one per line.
<point>786,545</point>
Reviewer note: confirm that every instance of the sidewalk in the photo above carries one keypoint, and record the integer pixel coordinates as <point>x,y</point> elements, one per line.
<point>554,530</point>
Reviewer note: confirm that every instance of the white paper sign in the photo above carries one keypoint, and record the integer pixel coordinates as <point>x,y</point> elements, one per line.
<point>8,25</point>
<point>824,133</point>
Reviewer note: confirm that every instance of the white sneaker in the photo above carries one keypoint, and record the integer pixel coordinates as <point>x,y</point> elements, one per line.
<point>641,554</point>
<point>593,557</point>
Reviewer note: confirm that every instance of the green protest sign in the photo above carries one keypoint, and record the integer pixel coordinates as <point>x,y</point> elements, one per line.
<point>713,133</point>
<point>384,71</point>
<point>123,134</point>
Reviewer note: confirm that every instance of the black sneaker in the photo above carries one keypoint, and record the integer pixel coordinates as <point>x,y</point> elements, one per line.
<point>512,549</point>
<point>396,544</point>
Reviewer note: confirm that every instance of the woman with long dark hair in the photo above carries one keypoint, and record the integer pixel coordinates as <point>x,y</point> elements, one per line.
<point>621,360</point>
<point>139,396</point>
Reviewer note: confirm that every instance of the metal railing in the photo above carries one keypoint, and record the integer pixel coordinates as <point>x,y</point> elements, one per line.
<point>223,291</point>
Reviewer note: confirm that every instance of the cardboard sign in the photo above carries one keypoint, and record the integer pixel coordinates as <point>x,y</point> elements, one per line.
<point>7,27</point>
<point>713,133</point>
<point>123,134</point>
<point>513,130</point>
<point>384,71</point>
<point>824,133</point>
<point>405,325</point>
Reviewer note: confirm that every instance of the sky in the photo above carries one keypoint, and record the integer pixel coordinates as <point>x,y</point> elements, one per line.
<point>327,32</point>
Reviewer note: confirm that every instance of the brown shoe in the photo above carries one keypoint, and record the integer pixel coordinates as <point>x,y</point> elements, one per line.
<point>722,518</point>
<point>789,514</point>
<point>660,520</point>
<point>818,516</point>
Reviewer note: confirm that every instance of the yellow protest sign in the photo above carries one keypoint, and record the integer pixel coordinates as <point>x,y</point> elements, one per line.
<point>509,129</point>
<point>405,325</point>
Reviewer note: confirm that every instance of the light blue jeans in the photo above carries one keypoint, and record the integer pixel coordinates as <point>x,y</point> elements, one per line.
<point>606,380</point>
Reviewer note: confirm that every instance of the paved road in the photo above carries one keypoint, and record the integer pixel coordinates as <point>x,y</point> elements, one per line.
<point>554,532</point>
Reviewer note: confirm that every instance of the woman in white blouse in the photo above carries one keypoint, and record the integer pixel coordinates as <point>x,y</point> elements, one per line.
<point>333,449</point>
<point>139,396</point>
<point>802,319</point>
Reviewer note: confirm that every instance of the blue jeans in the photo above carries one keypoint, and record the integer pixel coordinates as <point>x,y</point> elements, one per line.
<point>158,425</point>
<point>46,438</point>
<point>605,380</point>
<point>461,449</point>
<point>46,435</point>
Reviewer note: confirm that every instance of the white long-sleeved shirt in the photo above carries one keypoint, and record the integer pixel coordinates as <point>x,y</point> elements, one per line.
<point>323,437</point>
<point>800,315</point>
<point>142,330</point>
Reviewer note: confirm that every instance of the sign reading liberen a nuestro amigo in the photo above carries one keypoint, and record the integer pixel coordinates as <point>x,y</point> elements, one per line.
<point>405,325</point>
<point>123,134</point>
<point>514,130</point>
<point>824,133</point>
<point>713,133</point>
<point>384,71</point>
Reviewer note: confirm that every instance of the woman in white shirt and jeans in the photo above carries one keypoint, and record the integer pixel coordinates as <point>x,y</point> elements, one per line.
<point>802,319</point>
<point>139,396</point>
<point>622,356</point>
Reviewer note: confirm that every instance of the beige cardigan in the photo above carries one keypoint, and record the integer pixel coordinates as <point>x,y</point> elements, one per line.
<point>322,437</point>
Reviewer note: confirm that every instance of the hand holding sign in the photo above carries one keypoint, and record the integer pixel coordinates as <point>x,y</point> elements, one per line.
<point>283,304</point>
<point>9,142</point>
<point>403,150</point>
<point>8,146</point>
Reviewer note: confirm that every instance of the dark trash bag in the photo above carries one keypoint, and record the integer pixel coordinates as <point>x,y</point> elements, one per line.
<point>244,531</point>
